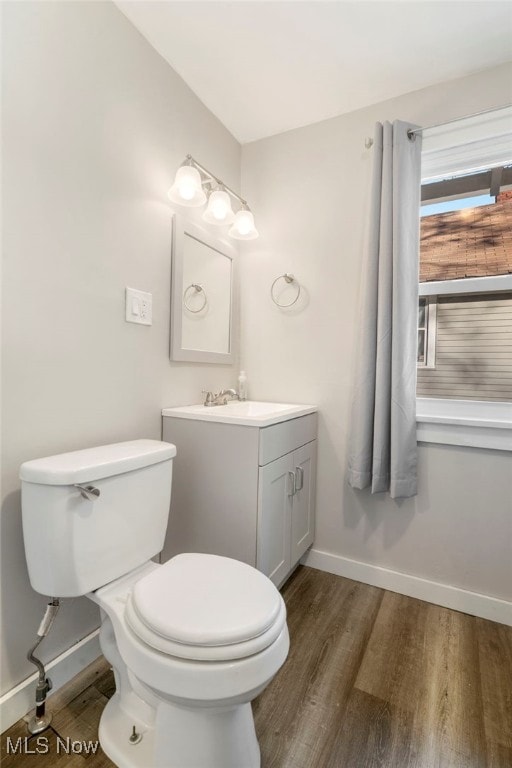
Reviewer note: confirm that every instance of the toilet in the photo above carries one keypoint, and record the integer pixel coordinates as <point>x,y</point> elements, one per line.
<point>191,641</point>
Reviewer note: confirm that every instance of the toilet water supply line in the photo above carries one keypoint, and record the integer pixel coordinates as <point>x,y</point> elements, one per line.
<point>40,721</point>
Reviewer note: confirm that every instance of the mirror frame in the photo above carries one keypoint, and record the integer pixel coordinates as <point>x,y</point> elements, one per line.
<point>180,228</point>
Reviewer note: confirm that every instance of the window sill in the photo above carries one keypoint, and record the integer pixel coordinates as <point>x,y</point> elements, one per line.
<point>474,423</point>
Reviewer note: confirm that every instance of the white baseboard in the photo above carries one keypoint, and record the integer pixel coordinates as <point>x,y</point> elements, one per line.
<point>475,604</point>
<point>19,700</point>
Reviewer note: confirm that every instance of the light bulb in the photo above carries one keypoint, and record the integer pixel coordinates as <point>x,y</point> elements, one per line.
<point>187,191</point>
<point>187,188</point>
<point>243,227</point>
<point>219,209</point>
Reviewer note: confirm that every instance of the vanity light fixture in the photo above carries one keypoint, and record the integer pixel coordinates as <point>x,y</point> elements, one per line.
<point>194,185</point>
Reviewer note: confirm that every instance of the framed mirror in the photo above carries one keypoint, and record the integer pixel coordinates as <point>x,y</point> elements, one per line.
<point>202,295</point>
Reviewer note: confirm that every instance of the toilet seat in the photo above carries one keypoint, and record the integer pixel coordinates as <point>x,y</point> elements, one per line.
<point>206,608</point>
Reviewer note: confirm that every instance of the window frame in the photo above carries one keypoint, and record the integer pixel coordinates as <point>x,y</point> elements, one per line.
<point>430,329</point>
<point>467,285</point>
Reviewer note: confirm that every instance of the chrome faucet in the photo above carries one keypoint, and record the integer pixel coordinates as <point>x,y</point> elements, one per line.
<point>221,398</point>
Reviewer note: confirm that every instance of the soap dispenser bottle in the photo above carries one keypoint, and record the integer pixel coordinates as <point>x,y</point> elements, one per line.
<point>242,386</point>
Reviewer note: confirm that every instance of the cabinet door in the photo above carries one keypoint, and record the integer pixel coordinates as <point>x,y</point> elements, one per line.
<point>274,518</point>
<point>303,510</point>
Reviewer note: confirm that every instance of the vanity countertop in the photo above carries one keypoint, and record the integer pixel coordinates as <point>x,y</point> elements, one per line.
<point>250,413</point>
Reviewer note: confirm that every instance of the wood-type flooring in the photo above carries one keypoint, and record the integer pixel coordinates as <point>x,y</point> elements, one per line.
<point>373,680</point>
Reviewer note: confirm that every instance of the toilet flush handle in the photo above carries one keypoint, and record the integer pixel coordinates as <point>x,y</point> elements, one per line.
<point>88,492</point>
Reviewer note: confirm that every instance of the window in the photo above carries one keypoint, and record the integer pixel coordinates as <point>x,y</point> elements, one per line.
<point>465,308</point>
<point>463,244</point>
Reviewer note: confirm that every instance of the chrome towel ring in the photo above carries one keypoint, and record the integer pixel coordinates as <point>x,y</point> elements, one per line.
<point>288,278</point>
<point>186,295</point>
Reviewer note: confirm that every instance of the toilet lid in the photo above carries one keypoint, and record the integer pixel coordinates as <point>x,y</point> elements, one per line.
<point>206,600</point>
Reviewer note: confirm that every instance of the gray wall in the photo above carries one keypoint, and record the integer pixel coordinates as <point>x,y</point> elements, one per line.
<point>95,124</point>
<point>473,349</point>
<point>310,189</point>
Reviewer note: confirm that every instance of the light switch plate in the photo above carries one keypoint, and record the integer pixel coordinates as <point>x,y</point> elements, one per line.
<point>139,307</point>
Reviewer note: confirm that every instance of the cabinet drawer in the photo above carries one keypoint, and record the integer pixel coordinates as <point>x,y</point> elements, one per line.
<point>282,438</point>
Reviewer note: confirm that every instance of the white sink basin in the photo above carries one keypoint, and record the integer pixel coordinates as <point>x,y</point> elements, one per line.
<point>250,413</point>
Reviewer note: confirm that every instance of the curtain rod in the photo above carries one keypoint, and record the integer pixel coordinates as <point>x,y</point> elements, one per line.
<point>413,131</point>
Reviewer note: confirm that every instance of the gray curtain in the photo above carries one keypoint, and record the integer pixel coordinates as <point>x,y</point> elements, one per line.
<point>382,452</point>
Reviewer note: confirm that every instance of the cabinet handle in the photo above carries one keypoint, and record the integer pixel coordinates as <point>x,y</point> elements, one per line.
<point>300,472</point>
<point>291,477</point>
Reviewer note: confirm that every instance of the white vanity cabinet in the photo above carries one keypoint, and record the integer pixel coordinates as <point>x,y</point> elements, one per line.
<point>243,490</point>
<point>286,495</point>
<point>286,506</point>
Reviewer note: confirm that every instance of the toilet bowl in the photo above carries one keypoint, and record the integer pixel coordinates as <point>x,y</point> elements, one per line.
<point>191,641</point>
<point>199,673</point>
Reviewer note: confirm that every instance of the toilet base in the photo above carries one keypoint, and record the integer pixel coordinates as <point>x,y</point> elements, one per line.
<point>114,732</point>
<point>205,737</point>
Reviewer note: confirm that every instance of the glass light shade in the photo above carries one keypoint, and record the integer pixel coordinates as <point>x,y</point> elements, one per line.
<point>243,227</point>
<point>219,209</point>
<point>187,188</point>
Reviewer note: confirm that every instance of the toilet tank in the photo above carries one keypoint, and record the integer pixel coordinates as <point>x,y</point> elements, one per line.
<point>73,544</point>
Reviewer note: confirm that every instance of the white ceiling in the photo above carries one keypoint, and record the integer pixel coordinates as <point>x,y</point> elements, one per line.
<point>266,67</point>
